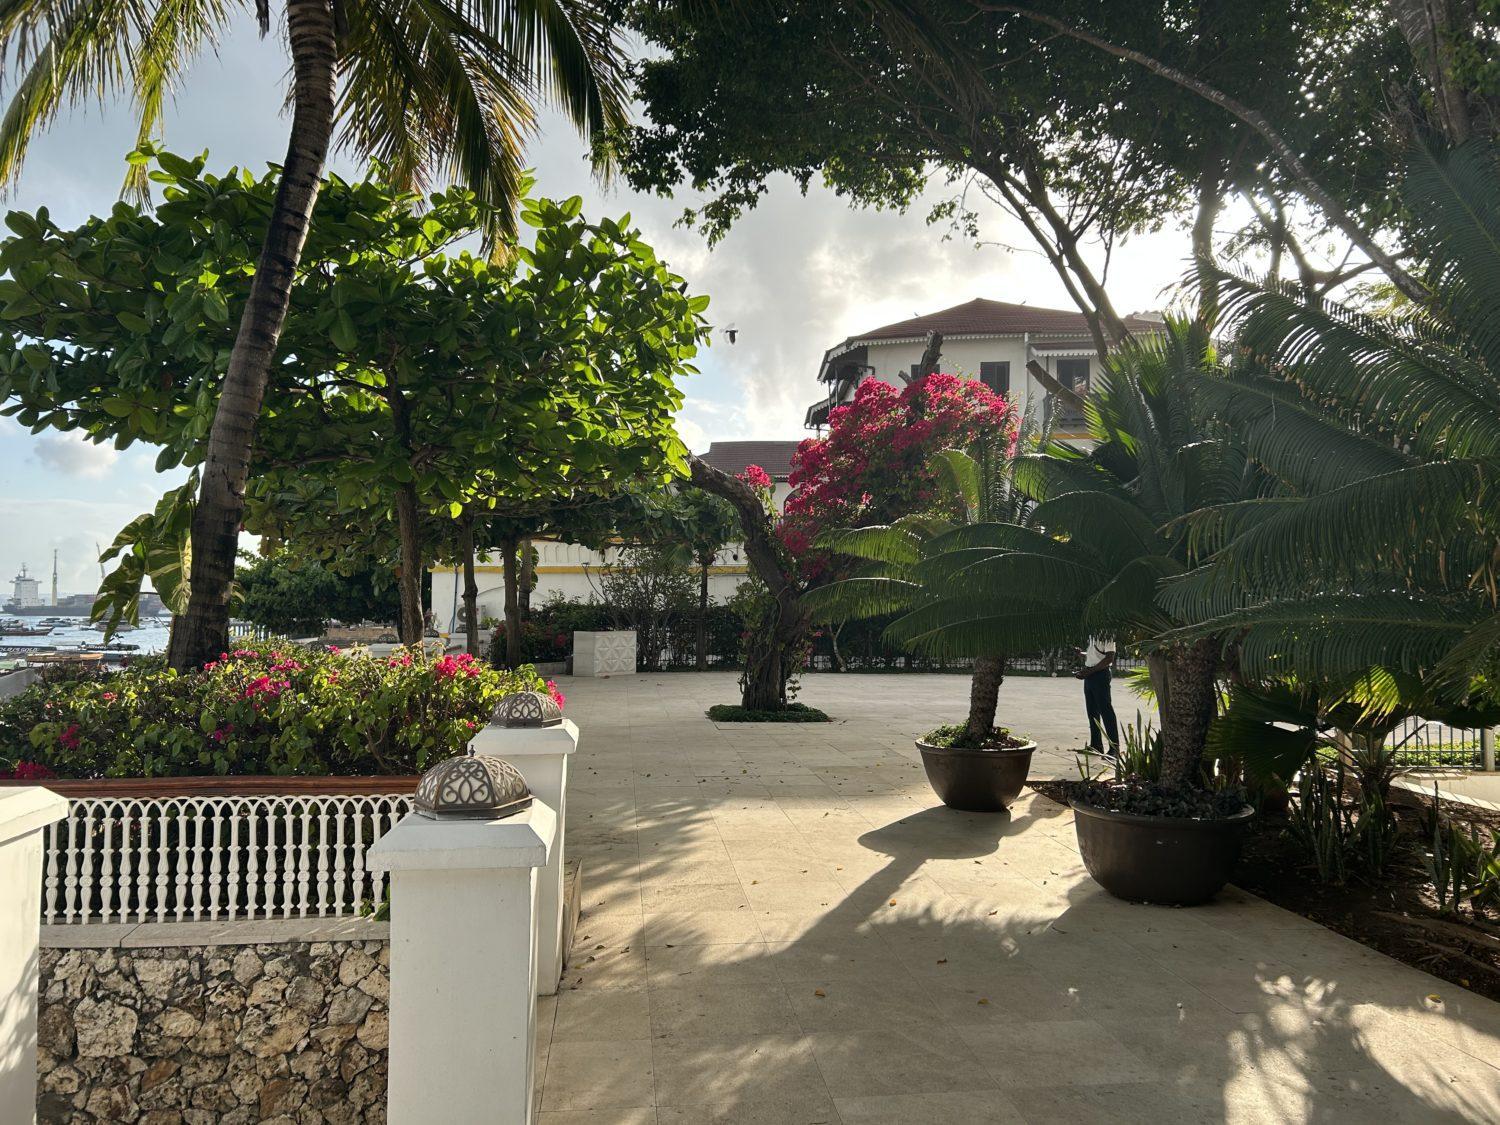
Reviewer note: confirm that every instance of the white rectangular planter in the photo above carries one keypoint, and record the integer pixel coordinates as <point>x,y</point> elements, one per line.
<point>541,754</point>
<point>604,654</point>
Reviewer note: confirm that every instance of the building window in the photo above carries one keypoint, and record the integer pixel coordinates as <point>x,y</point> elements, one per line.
<point>995,374</point>
<point>1073,374</point>
<point>916,371</point>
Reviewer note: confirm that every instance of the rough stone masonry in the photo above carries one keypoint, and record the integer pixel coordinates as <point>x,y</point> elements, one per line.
<point>292,1033</point>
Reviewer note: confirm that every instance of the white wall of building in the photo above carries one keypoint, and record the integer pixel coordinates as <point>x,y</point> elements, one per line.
<point>962,355</point>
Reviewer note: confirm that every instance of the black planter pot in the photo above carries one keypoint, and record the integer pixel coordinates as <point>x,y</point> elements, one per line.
<point>976,780</point>
<point>1168,860</point>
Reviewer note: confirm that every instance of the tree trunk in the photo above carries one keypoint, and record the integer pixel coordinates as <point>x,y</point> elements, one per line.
<point>779,635</point>
<point>528,577</point>
<point>984,698</point>
<point>471,590</point>
<point>204,630</point>
<point>1187,710</point>
<point>409,582</point>
<point>509,566</point>
<point>703,613</point>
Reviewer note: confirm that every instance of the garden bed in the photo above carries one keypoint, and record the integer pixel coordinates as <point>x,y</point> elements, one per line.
<point>1396,915</point>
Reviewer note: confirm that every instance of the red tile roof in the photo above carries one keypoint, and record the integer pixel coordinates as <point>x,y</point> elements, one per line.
<point>980,317</point>
<point>775,457</point>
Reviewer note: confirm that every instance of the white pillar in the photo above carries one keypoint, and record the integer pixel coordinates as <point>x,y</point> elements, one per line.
<point>24,812</point>
<point>463,966</point>
<point>541,754</point>
<point>1487,748</point>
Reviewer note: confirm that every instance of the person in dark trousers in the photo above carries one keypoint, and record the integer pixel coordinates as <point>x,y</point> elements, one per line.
<point>1098,658</point>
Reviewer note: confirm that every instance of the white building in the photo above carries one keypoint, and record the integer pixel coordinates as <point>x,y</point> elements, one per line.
<point>992,341</point>
<point>28,591</point>
<point>574,571</point>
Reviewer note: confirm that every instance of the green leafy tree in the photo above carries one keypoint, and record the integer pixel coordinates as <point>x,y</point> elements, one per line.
<point>424,382</point>
<point>435,87</point>
<point>295,595</point>
<point>881,99</point>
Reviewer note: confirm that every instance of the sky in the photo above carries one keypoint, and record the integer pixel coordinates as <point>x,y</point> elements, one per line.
<point>796,276</point>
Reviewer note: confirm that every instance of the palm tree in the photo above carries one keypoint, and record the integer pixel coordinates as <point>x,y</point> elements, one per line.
<point>444,87</point>
<point>1379,547</point>
<point>1101,529</point>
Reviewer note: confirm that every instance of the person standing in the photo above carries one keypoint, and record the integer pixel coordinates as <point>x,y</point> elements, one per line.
<point>1098,659</point>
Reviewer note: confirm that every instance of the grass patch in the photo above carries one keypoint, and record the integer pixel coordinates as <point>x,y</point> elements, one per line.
<point>791,713</point>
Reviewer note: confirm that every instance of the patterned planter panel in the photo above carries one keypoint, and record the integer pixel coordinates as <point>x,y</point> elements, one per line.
<point>604,654</point>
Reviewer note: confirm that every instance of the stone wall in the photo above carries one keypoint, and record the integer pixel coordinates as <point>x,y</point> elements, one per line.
<point>290,1032</point>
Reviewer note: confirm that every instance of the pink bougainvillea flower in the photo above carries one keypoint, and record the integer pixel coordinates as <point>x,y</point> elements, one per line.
<point>556,693</point>
<point>29,771</point>
<point>756,477</point>
<point>69,737</point>
<point>109,697</point>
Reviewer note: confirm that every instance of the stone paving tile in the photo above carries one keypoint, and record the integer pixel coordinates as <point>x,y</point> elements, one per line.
<point>740,958</point>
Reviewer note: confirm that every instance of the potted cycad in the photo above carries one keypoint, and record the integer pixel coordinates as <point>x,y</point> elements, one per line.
<point>973,765</point>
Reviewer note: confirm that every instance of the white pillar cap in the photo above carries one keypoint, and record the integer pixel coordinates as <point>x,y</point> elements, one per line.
<point>520,742</point>
<point>420,843</point>
<point>25,808</point>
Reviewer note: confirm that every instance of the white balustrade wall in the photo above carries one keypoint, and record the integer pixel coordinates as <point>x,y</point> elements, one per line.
<point>211,858</point>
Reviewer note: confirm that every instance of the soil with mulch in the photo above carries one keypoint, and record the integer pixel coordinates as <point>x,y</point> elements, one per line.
<point>1396,914</point>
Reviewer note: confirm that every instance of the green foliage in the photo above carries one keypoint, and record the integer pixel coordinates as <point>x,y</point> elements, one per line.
<point>789,713</point>
<point>952,736</point>
<point>564,354</point>
<point>154,546</point>
<point>811,89</point>
<point>266,709</point>
<point>1339,837</point>
<point>1151,798</point>
<point>427,88</point>
<point>1376,543</point>
<point>292,595</point>
<point>1463,868</point>
<point>649,590</point>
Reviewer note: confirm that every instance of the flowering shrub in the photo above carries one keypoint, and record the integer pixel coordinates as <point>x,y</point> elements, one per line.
<point>266,709</point>
<point>875,465</point>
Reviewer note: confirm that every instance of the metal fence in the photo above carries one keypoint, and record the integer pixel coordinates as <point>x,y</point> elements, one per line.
<point>1422,742</point>
<point>215,857</point>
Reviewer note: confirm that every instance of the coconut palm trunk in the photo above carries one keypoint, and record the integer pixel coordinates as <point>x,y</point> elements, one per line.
<point>203,631</point>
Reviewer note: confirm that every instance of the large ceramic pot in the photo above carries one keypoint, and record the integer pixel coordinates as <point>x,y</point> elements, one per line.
<point>1169,860</point>
<point>976,780</point>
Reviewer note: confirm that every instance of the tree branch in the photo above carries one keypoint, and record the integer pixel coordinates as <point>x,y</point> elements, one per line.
<point>1279,146</point>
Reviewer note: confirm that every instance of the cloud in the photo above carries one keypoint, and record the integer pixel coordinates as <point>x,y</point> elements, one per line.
<point>73,456</point>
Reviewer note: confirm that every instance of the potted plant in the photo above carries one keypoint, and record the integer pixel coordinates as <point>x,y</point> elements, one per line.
<point>975,765</point>
<point>1145,841</point>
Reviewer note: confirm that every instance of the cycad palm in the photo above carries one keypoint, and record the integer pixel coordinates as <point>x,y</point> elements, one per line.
<point>444,87</point>
<point>1381,544</point>
<point>978,489</point>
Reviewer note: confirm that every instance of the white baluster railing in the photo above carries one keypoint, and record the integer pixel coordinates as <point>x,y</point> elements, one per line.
<point>215,858</point>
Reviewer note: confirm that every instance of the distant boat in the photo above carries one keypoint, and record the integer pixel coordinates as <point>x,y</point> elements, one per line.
<point>9,629</point>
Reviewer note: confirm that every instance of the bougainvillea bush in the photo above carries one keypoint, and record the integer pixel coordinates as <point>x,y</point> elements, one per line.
<point>876,462</point>
<point>265,709</point>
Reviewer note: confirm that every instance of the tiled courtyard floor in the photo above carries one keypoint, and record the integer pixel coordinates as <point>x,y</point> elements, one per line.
<point>782,925</point>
